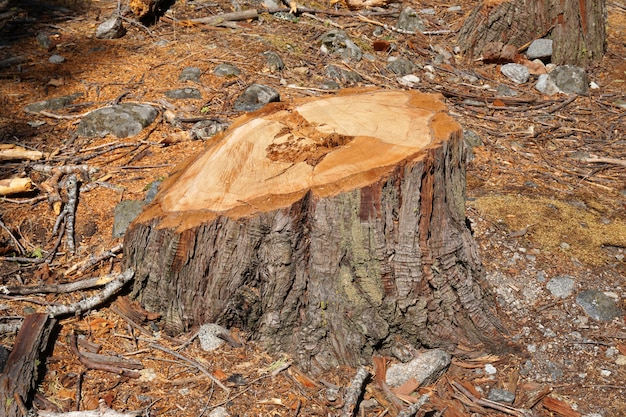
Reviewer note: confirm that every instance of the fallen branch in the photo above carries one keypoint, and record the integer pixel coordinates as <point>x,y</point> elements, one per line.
<point>118,366</point>
<point>596,159</point>
<point>487,403</point>
<point>226,17</point>
<point>411,410</point>
<point>83,265</point>
<point>19,246</point>
<point>59,288</point>
<point>102,411</point>
<point>353,392</point>
<point>15,186</point>
<point>70,212</point>
<point>11,152</point>
<point>89,303</point>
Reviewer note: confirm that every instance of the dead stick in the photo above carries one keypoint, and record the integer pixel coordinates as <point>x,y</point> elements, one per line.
<point>70,209</point>
<point>411,410</point>
<point>193,363</point>
<point>92,364</point>
<point>59,288</point>
<point>613,161</point>
<point>354,392</point>
<point>92,260</point>
<point>227,17</point>
<point>87,304</point>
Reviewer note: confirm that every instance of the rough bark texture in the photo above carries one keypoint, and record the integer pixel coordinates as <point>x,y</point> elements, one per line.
<point>339,270</point>
<point>20,373</point>
<point>577,27</point>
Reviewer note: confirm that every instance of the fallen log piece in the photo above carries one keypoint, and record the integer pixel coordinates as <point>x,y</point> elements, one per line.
<point>11,152</point>
<point>329,229</point>
<point>18,381</point>
<point>15,186</point>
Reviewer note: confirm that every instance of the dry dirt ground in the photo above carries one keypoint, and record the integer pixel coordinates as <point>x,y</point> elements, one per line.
<point>538,210</point>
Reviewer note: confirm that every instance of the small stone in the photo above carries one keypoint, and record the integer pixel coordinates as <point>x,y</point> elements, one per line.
<point>112,28</point>
<point>501,396</point>
<point>539,49</point>
<point>208,336</point>
<point>122,120</point>
<point>621,360</point>
<point>255,97</point>
<point>598,306</point>
<point>190,74</point>
<point>517,73</point>
<point>409,21</point>
<point>147,375</point>
<point>409,80</point>
<point>605,372</point>
<point>273,61</point>
<point>401,66</point>
<point>226,70</point>
<point>593,85</point>
<point>546,85</point>
<point>330,85</point>
<point>219,412</point>
<point>610,352</point>
<point>425,368</point>
<point>56,59</point>
<point>54,103</point>
<point>505,91</point>
<point>347,76</point>
<point>570,79</point>
<point>206,129</point>
<point>123,215</point>
<point>183,93</point>
<point>490,369</point>
<point>561,286</point>
<point>44,41</point>
<point>564,246</point>
<point>337,42</point>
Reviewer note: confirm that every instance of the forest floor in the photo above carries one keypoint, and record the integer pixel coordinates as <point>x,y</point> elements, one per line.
<point>539,208</point>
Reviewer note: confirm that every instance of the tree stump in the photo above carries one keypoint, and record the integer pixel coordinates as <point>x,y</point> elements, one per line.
<point>329,229</point>
<point>577,27</point>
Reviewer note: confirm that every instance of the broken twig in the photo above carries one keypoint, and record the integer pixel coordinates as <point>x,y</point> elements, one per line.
<point>354,392</point>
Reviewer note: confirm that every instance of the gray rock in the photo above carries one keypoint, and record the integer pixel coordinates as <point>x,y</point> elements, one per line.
<point>410,21</point>
<point>122,120</point>
<point>505,91</point>
<point>501,396</point>
<point>401,66</point>
<point>123,215</point>
<point>226,70</point>
<point>273,61</point>
<point>219,412</point>
<point>55,103</point>
<point>208,336</point>
<point>206,129</point>
<point>255,97</point>
<point>336,42</point>
<point>409,80</point>
<point>561,286</point>
<point>340,74</point>
<point>425,368</point>
<point>190,74</point>
<point>112,28</point>
<point>56,59</point>
<point>539,49</point>
<point>570,79</point>
<point>598,305</point>
<point>44,41</point>
<point>333,85</point>
<point>152,191</point>
<point>546,85</point>
<point>184,93</point>
<point>517,73</point>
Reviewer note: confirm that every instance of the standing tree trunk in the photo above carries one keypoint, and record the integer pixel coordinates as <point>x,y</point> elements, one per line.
<point>329,229</point>
<point>577,27</point>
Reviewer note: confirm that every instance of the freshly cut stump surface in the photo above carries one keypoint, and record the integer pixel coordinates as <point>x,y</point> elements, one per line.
<point>329,228</point>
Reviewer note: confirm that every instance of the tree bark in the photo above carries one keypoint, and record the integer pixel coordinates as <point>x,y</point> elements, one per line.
<point>21,371</point>
<point>577,27</point>
<point>330,229</point>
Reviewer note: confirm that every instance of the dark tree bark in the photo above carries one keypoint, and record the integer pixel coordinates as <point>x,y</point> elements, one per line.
<point>21,371</point>
<point>577,27</point>
<point>329,229</point>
